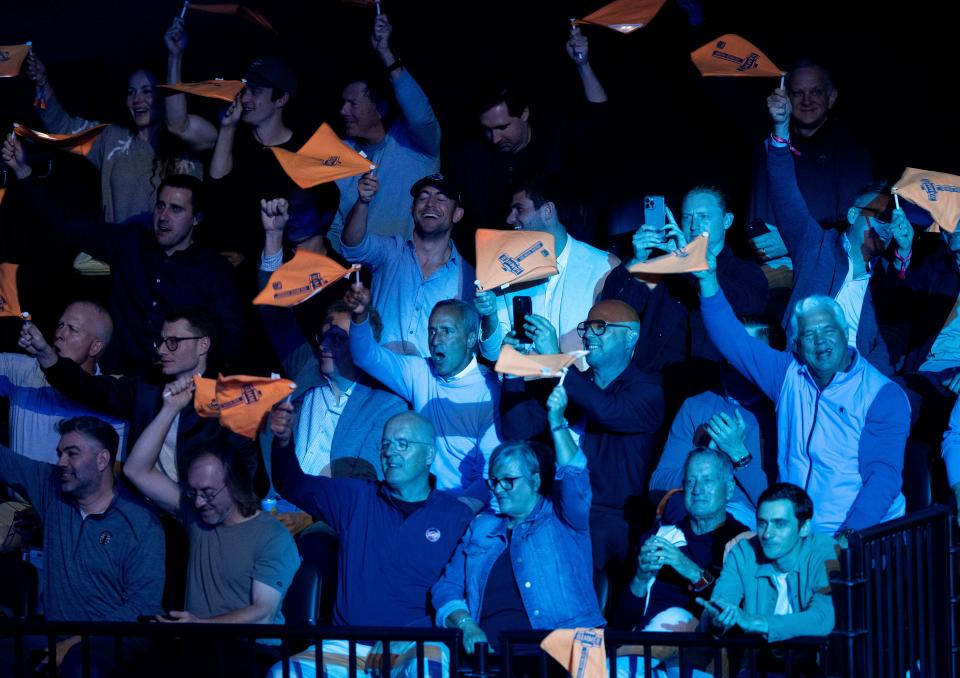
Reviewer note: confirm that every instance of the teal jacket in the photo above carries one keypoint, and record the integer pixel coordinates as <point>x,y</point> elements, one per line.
<point>747,580</point>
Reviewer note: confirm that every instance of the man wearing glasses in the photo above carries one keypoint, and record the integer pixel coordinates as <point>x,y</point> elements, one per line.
<point>242,559</point>
<point>396,535</point>
<point>615,412</point>
<point>183,349</point>
<point>838,265</point>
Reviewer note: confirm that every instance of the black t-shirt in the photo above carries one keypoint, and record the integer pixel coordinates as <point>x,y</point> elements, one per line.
<point>672,590</point>
<point>503,608</point>
<point>233,223</point>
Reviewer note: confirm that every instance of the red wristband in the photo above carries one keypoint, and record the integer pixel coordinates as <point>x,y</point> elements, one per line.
<point>785,142</point>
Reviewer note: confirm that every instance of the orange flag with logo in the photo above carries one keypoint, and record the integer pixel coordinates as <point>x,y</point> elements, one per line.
<point>732,56</point>
<point>534,365</point>
<point>9,297</point>
<point>323,158</point>
<point>580,651</point>
<point>205,397</point>
<point>11,59</point>
<point>624,16</point>
<point>509,257</point>
<point>225,90</point>
<point>244,402</point>
<point>79,143</point>
<point>244,13</point>
<point>936,192</point>
<point>688,259</point>
<point>301,278</point>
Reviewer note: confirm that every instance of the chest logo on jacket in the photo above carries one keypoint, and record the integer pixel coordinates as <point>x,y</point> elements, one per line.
<point>432,534</point>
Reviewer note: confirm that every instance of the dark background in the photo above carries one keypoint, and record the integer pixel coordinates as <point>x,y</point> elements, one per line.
<point>894,73</point>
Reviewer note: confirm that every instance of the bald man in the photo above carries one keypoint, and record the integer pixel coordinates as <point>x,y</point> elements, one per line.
<point>615,410</point>
<point>82,334</point>
<point>395,535</point>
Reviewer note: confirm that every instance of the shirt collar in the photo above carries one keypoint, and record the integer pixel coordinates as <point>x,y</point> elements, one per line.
<point>472,365</point>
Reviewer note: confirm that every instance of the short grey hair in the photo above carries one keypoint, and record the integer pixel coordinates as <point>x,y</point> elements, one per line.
<point>469,315</point>
<point>519,450</point>
<point>808,305</point>
<point>722,459</point>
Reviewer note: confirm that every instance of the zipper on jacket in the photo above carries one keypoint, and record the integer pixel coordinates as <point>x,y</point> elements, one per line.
<point>816,413</point>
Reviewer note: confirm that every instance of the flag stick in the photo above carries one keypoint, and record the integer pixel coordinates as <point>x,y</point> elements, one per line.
<point>573,31</point>
<point>782,76</point>
<point>896,200</point>
<point>186,5</point>
<point>357,272</point>
<point>563,375</point>
<point>378,7</point>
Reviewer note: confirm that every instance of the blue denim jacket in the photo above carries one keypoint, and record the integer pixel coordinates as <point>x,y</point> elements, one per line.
<point>550,553</point>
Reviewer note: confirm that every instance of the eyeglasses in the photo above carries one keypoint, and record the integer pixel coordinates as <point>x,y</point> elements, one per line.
<point>597,327</point>
<point>402,444</point>
<point>505,483</point>
<point>172,343</point>
<point>206,495</point>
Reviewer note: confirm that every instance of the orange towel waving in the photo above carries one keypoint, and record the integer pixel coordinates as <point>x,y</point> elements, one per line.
<point>936,192</point>
<point>79,143</point>
<point>301,278</point>
<point>323,158</point>
<point>624,16</point>
<point>511,257</point>
<point>688,259</point>
<point>732,56</point>
<point>11,59</point>
<point>225,90</point>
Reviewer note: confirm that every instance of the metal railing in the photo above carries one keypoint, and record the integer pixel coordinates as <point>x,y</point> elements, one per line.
<point>896,598</point>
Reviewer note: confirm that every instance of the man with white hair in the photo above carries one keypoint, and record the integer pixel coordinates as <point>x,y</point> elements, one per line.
<point>842,424</point>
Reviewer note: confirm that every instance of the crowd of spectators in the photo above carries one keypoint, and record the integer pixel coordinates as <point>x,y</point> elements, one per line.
<point>715,435</point>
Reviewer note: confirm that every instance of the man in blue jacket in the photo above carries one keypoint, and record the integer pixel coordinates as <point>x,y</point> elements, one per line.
<point>842,424</point>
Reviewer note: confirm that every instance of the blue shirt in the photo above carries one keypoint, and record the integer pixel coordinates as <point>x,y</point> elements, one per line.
<point>387,562</point>
<point>106,567</point>
<point>550,553</point>
<point>401,295</point>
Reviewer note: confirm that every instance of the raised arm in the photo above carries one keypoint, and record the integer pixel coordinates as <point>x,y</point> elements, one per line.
<point>54,117</point>
<point>764,366</point>
<point>355,230</point>
<point>578,49</point>
<point>221,164</point>
<point>396,372</point>
<point>418,115</point>
<point>141,464</point>
<point>198,133</point>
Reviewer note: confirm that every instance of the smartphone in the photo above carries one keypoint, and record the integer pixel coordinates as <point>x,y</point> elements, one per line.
<point>756,228</point>
<point>522,307</point>
<point>654,213</point>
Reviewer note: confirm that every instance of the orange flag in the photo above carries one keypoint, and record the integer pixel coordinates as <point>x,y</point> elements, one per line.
<point>245,13</point>
<point>624,16</point>
<point>936,192</point>
<point>323,158</point>
<point>688,259</point>
<point>11,59</point>
<point>225,90</point>
<point>3,192</point>
<point>580,651</point>
<point>79,143</point>
<point>244,402</point>
<point>300,278</point>
<point>9,298</point>
<point>510,257</point>
<point>534,365</point>
<point>205,397</point>
<point>731,55</point>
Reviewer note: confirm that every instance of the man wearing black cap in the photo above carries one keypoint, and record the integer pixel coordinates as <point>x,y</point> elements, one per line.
<point>410,275</point>
<point>241,170</point>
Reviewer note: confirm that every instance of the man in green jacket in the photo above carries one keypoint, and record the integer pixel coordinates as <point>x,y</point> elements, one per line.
<point>777,583</point>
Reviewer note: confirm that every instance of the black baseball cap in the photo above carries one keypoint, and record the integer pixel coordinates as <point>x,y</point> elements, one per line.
<point>269,71</point>
<point>442,184</point>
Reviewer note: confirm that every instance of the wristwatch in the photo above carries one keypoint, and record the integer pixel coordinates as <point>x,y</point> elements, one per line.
<point>743,461</point>
<point>705,580</point>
